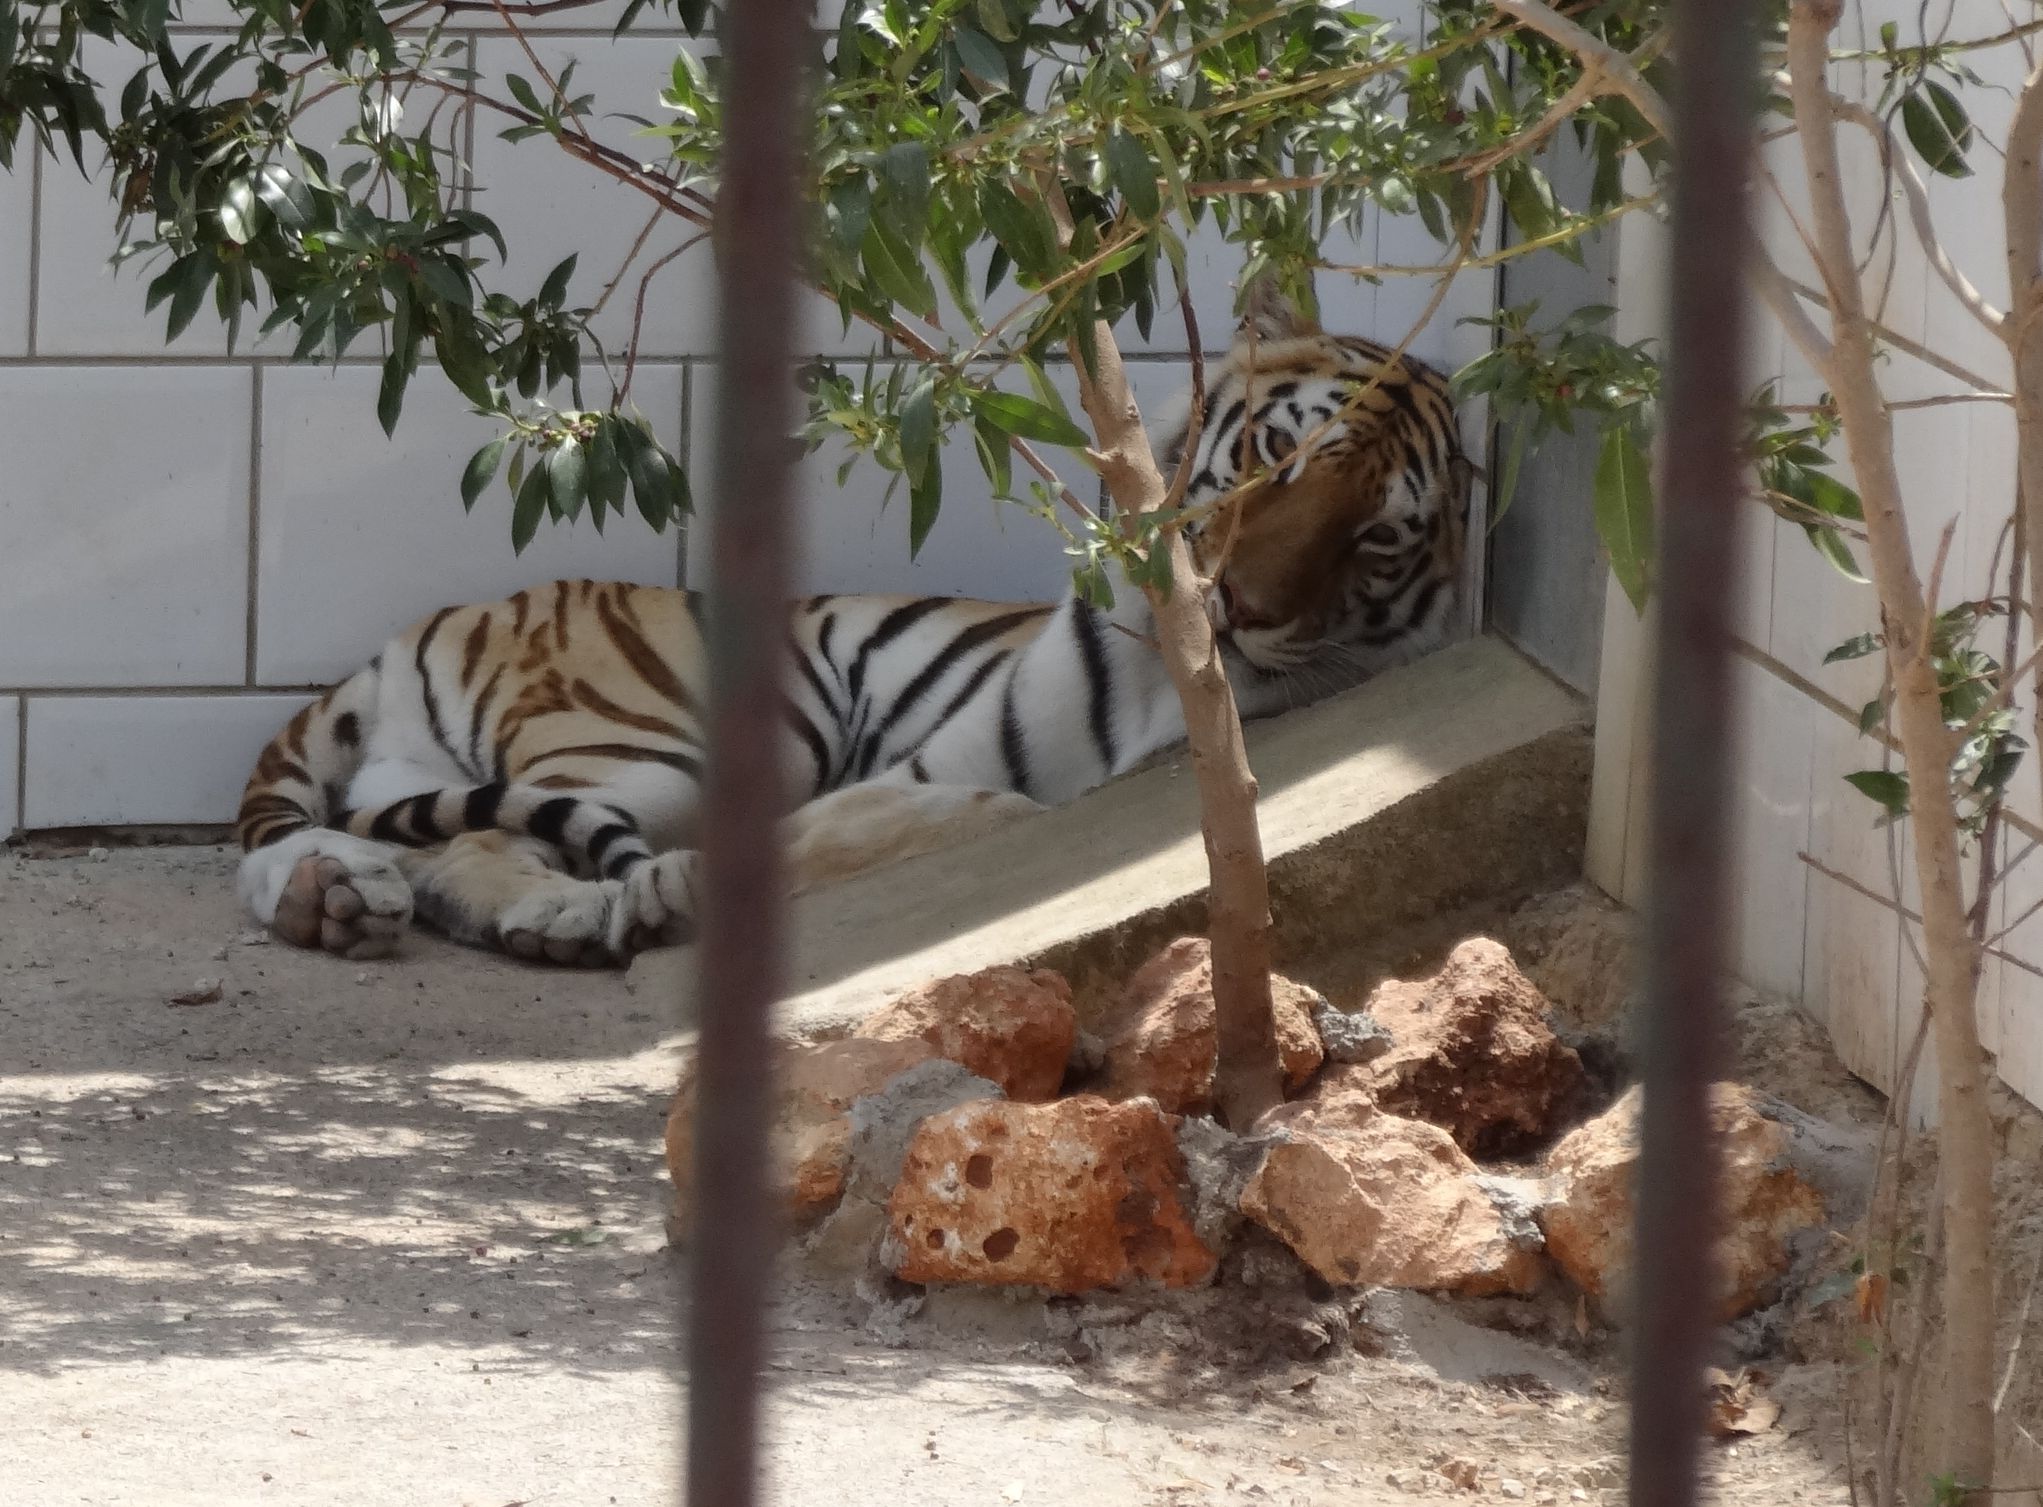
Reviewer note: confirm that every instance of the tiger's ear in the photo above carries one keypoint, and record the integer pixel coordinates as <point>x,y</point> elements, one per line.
<point>1269,313</point>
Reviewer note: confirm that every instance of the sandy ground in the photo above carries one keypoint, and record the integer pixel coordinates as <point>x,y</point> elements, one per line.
<point>392,1235</point>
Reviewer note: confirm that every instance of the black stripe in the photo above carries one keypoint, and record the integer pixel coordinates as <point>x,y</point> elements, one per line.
<point>384,824</point>
<point>806,731</point>
<point>891,627</point>
<point>1013,750</point>
<point>624,863</point>
<point>1422,604</point>
<point>961,644</point>
<point>549,820</point>
<point>422,815</point>
<point>915,768</point>
<point>810,673</point>
<point>605,836</point>
<point>1093,655</point>
<point>688,764</point>
<point>431,697</point>
<point>965,694</point>
<point>347,730</point>
<point>489,691</point>
<point>479,814</point>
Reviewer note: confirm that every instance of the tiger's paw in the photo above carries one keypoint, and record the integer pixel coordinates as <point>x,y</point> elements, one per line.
<point>566,923</point>
<point>657,907</point>
<point>357,910</point>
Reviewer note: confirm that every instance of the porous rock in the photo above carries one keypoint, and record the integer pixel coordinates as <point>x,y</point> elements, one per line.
<point>1163,1040</point>
<point>1367,1198</point>
<point>1350,1036</point>
<point>1014,1026</point>
<point>882,1124</point>
<point>1475,1055</point>
<point>815,1084</point>
<point>1069,1196</point>
<point>1765,1204</point>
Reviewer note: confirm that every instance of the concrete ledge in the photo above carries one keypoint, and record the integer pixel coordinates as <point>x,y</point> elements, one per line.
<point>1459,779</point>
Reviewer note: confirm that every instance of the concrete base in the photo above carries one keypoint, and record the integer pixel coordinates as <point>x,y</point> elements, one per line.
<point>1460,779</point>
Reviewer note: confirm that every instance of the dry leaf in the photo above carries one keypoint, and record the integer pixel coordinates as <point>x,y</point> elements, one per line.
<point>1581,1317</point>
<point>204,992</point>
<point>1870,1293</point>
<point>1738,1405</point>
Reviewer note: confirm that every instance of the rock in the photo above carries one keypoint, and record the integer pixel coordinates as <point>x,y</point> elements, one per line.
<point>1766,1204</point>
<point>1162,1041</point>
<point>1370,1199</point>
<point>1014,1026</point>
<point>815,1085</point>
<point>1067,1196</point>
<point>1576,948</point>
<point>1513,1489</point>
<point>1474,1054</point>
<point>1218,1166</point>
<point>882,1124</point>
<point>1350,1036</point>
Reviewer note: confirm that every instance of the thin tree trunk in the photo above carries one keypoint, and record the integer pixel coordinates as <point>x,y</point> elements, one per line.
<point>1248,1080</point>
<point>1965,1445</point>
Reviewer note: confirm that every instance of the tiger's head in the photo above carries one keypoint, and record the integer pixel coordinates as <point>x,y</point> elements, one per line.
<point>1327,498</point>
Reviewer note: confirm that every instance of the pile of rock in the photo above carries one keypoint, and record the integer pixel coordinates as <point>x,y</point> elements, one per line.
<point>1436,1140</point>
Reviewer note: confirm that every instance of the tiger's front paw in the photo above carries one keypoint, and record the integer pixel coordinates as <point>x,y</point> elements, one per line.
<point>566,922</point>
<point>658,905</point>
<point>353,909</point>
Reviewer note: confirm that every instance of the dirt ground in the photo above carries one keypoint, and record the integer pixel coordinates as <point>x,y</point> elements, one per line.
<point>392,1234</point>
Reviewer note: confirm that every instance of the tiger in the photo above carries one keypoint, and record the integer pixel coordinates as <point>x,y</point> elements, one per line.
<point>526,774</point>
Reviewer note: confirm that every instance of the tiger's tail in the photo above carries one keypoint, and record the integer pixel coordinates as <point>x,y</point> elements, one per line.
<point>605,837</point>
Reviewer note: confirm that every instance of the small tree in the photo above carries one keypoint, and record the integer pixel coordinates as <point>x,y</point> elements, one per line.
<point>961,145</point>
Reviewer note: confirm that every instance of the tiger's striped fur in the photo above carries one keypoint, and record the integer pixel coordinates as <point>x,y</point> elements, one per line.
<point>526,773</point>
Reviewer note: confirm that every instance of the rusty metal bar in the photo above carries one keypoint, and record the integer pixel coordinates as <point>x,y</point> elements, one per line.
<point>743,888</point>
<point>1702,428</point>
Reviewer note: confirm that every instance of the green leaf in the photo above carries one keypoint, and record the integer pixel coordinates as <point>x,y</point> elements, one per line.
<point>1624,512</point>
<point>480,471</point>
<point>238,212</point>
<point>554,289</point>
<point>1885,786</point>
<point>996,456</point>
<point>904,170</point>
<point>981,58</point>
<point>566,473</point>
<point>606,471</point>
<point>1871,713</point>
<point>1938,129</point>
<point>654,485</point>
<point>925,499</point>
<point>1854,648</point>
<point>1831,546</point>
<point>390,392</point>
<point>918,430</point>
<point>1133,174</point>
<point>530,507</point>
<point>1025,417</point>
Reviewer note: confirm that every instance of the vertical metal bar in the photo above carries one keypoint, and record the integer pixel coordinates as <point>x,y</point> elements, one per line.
<point>740,951</point>
<point>1716,89</point>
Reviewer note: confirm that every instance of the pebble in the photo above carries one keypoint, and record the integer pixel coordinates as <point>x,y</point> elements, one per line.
<point>1510,1488</point>
<point>98,855</point>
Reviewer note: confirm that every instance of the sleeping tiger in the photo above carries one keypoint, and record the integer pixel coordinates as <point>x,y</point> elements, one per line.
<point>526,774</point>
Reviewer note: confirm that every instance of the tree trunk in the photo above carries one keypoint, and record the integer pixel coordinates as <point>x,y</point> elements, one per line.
<point>1964,1447</point>
<point>1248,1080</point>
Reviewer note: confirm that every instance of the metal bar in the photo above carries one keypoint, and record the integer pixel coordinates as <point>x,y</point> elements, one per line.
<point>1676,1278</point>
<point>743,888</point>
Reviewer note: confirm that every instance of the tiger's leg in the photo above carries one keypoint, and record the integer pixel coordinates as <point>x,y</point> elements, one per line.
<point>501,890</point>
<point>326,889</point>
<point>838,834</point>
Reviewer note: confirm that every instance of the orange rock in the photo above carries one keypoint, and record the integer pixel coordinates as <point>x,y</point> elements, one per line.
<point>1370,1199</point>
<point>815,1087</point>
<point>1014,1026</point>
<point>1765,1203</point>
<point>1474,1054</point>
<point>1162,1041</point>
<point>1067,1196</point>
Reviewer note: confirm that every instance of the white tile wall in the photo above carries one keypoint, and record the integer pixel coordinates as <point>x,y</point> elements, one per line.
<point>125,516</point>
<point>17,227</point>
<point>853,538</point>
<point>361,536</point>
<point>10,763</point>
<point>117,760</point>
